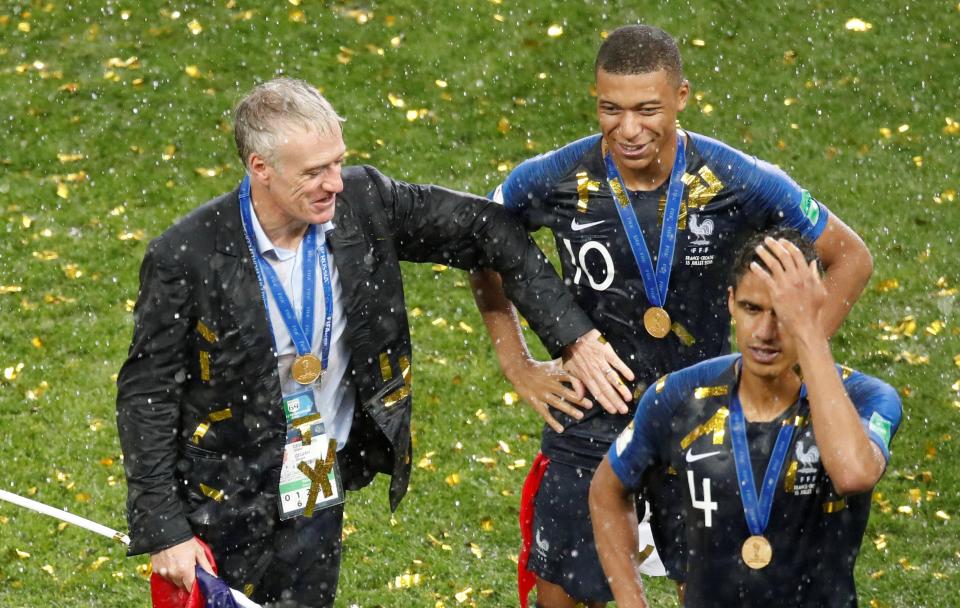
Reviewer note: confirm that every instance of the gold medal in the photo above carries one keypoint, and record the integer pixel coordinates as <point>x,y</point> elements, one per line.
<point>756,552</point>
<point>657,322</point>
<point>306,369</point>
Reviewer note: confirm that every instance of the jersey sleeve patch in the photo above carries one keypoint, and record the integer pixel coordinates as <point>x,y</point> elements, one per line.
<point>881,428</point>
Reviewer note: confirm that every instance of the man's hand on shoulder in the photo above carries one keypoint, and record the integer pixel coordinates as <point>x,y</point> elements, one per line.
<point>593,361</point>
<point>177,563</point>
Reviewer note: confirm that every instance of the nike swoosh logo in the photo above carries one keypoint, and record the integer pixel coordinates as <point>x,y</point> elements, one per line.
<point>577,227</point>
<point>691,457</point>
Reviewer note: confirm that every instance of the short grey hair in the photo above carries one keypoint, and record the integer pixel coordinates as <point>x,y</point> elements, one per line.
<point>274,108</point>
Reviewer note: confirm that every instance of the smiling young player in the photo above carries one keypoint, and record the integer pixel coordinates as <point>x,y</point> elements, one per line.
<point>778,448</point>
<point>646,219</point>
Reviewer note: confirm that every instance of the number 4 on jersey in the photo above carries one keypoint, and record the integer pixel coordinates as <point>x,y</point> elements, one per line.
<point>707,505</point>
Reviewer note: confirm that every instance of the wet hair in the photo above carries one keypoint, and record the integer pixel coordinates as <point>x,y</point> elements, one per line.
<point>274,109</point>
<point>639,49</point>
<point>747,254</point>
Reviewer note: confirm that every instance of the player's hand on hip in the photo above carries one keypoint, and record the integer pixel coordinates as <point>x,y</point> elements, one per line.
<point>594,362</point>
<point>545,385</point>
<point>796,290</point>
<point>177,563</point>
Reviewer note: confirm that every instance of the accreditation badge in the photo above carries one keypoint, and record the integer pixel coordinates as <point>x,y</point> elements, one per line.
<point>309,478</point>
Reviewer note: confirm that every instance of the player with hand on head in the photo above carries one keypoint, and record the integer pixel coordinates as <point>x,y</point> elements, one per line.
<point>778,448</point>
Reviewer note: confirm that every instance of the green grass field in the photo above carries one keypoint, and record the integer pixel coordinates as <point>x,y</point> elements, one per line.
<point>116,119</point>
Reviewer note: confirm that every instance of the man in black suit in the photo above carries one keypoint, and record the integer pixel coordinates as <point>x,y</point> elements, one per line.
<point>270,364</point>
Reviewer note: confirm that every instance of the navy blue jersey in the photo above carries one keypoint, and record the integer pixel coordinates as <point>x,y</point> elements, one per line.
<point>681,423</point>
<point>727,197</point>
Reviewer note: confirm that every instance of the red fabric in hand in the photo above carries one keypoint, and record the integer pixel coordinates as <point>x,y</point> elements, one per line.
<point>167,595</point>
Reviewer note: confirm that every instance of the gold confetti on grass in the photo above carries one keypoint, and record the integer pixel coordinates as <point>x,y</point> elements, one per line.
<point>11,373</point>
<point>887,285</point>
<point>7,289</point>
<point>195,27</point>
<point>462,596</point>
<point>858,25</point>
<point>404,581</point>
<point>192,71</point>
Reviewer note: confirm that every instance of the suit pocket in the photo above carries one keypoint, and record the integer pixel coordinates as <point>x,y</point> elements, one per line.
<point>224,501</point>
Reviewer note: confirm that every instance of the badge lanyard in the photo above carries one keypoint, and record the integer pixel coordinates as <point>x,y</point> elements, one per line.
<point>756,509</point>
<point>301,332</point>
<point>655,282</point>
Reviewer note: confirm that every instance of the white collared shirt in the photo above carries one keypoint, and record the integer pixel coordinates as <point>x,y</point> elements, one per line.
<point>335,398</point>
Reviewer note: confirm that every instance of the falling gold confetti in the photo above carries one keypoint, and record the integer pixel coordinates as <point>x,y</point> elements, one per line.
<point>858,25</point>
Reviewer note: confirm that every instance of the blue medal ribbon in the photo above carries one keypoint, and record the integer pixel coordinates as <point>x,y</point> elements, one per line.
<point>301,330</point>
<point>756,509</point>
<point>655,282</point>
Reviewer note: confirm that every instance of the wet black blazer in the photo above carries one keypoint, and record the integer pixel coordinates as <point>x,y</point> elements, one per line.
<point>199,404</point>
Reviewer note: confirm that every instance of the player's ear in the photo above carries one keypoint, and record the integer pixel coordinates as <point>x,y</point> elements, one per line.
<point>730,302</point>
<point>683,92</point>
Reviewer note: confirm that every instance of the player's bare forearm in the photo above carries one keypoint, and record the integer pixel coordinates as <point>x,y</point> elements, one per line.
<point>851,459</point>
<point>847,268</point>
<point>614,517</point>
<point>853,462</point>
<point>542,384</point>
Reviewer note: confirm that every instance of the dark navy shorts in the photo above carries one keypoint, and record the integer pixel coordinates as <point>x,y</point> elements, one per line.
<point>563,551</point>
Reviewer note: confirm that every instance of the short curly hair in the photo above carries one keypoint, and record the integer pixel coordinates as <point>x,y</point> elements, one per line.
<point>747,254</point>
<point>639,49</point>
